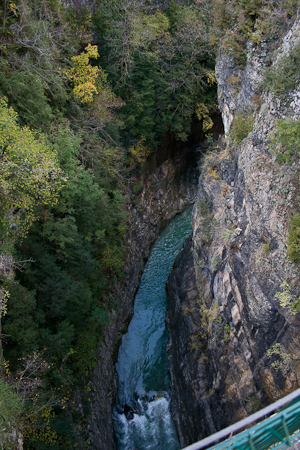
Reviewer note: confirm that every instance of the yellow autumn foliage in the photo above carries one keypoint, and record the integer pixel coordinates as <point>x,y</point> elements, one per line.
<point>138,152</point>
<point>202,113</point>
<point>86,78</point>
<point>39,428</point>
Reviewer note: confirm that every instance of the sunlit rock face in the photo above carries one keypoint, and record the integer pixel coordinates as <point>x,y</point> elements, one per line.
<point>223,311</point>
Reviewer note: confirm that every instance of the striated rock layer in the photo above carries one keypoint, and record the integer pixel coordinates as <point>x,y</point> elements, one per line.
<point>224,314</point>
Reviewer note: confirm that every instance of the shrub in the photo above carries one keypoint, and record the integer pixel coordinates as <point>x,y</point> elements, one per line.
<point>287,299</point>
<point>227,330</point>
<point>234,45</point>
<point>202,113</point>
<point>235,82</point>
<point>293,240</point>
<point>242,124</point>
<point>203,207</point>
<point>10,407</point>
<point>282,78</point>
<point>208,223</point>
<point>227,234</point>
<point>266,27</point>
<point>266,247</point>
<point>283,360</point>
<point>286,140</point>
<point>254,403</point>
<point>137,189</point>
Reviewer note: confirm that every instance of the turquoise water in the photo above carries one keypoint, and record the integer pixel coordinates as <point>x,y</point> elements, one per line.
<point>142,362</point>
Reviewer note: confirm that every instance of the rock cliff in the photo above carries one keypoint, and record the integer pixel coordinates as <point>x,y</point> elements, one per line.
<point>225,313</point>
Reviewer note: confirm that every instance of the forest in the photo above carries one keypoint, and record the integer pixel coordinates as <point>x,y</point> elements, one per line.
<point>88,89</point>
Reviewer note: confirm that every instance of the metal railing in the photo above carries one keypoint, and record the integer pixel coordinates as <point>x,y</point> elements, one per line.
<point>279,430</point>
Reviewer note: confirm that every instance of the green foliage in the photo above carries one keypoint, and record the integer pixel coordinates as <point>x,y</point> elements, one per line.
<point>233,23</point>
<point>210,316</point>
<point>65,243</point>
<point>137,189</point>
<point>140,109</point>
<point>29,171</point>
<point>266,27</point>
<point>283,77</point>
<point>8,14</point>
<point>138,153</point>
<point>201,263</point>
<point>80,23</point>
<point>286,139</point>
<point>234,45</point>
<point>35,53</point>
<point>290,6</point>
<point>207,227</point>
<point>203,207</point>
<point>254,403</point>
<point>20,322</point>
<point>49,428</point>
<point>173,12</point>
<point>40,428</point>
<point>210,319</point>
<point>4,296</point>
<point>25,92</point>
<point>208,223</point>
<point>156,59</point>
<point>11,407</point>
<point>235,82</point>
<point>148,29</point>
<point>187,310</point>
<point>266,248</point>
<point>223,15</point>
<point>227,330</point>
<point>227,234</point>
<point>283,361</point>
<point>57,306</point>
<point>287,299</point>
<point>242,124</point>
<point>214,260</point>
<point>293,240</point>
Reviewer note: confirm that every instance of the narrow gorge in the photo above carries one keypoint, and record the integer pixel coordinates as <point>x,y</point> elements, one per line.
<point>168,191</point>
<point>136,133</point>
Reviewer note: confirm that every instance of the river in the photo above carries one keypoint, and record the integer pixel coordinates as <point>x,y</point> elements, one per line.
<point>141,414</point>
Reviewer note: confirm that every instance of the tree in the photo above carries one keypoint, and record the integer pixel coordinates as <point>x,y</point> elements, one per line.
<point>85,76</point>
<point>161,70</point>
<point>29,174</point>
<point>10,408</point>
<point>94,113</point>
<point>8,12</point>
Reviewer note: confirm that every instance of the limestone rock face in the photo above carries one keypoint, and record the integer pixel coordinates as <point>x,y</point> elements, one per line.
<point>166,192</point>
<point>226,317</point>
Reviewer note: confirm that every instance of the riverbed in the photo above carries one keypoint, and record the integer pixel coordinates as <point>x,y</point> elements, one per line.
<point>141,414</point>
